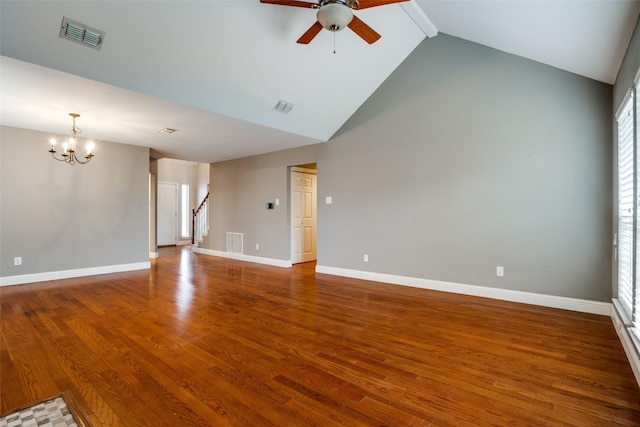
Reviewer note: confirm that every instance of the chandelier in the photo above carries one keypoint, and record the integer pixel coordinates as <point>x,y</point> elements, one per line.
<point>69,148</point>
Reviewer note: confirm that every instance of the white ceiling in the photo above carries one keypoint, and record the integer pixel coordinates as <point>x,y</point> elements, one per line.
<point>214,69</point>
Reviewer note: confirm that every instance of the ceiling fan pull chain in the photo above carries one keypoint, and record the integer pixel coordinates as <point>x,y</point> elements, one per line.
<point>334,42</point>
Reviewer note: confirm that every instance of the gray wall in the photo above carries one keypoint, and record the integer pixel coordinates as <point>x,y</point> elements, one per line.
<point>468,158</point>
<point>240,190</point>
<point>60,217</point>
<point>464,159</point>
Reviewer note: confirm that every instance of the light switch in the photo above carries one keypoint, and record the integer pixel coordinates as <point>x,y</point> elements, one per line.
<point>328,200</point>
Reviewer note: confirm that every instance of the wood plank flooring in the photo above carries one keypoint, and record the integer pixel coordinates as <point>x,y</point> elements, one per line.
<point>205,341</point>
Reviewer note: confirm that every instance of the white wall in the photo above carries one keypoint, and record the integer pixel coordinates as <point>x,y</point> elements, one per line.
<point>202,182</point>
<point>196,175</point>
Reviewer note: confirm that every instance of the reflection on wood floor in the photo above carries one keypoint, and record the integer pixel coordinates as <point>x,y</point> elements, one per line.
<point>200,340</point>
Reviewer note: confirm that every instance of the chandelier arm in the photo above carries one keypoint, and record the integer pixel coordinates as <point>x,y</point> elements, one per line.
<point>71,157</point>
<point>87,158</point>
<point>63,159</point>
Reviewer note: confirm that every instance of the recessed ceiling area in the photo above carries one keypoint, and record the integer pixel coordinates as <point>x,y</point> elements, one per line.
<point>214,69</point>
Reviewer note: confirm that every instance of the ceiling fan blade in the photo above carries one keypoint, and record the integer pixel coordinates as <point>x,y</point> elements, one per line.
<point>367,33</point>
<point>310,33</point>
<point>295,3</point>
<point>373,3</point>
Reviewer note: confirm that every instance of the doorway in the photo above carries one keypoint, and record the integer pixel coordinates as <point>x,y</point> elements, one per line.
<point>167,213</point>
<point>303,202</point>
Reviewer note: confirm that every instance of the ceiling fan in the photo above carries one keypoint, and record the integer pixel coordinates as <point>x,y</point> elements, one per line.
<point>335,15</point>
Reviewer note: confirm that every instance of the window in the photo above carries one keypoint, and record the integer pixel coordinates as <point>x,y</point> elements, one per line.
<point>628,244</point>
<point>636,137</point>
<point>627,195</point>
<point>185,214</point>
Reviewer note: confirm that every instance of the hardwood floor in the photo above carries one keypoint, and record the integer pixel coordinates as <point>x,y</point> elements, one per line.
<point>201,341</point>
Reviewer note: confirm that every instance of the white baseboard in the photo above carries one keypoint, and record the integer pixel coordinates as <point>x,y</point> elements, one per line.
<point>628,344</point>
<point>68,274</point>
<point>574,304</point>
<point>154,254</point>
<point>242,257</point>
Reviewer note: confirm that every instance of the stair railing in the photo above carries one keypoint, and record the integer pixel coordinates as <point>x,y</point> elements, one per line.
<point>200,221</point>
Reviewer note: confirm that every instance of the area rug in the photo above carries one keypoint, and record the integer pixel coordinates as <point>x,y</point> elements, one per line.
<point>53,412</point>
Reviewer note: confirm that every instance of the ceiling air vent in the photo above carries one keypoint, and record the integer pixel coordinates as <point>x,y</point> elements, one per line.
<point>80,33</point>
<point>283,106</point>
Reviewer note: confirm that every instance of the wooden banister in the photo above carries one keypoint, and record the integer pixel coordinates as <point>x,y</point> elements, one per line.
<point>193,218</point>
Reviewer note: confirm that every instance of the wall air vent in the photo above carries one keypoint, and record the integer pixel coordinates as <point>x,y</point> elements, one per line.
<point>283,106</point>
<point>80,33</point>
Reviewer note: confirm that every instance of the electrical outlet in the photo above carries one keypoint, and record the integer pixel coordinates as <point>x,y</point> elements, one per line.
<point>499,271</point>
<point>366,258</point>
<point>17,260</point>
<point>277,202</point>
<point>328,200</point>
<point>257,246</point>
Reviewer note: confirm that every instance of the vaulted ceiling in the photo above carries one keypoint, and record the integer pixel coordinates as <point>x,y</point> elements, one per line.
<point>214,70</point>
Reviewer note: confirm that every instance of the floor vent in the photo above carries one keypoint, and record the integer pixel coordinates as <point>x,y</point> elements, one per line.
<point>235,242</point>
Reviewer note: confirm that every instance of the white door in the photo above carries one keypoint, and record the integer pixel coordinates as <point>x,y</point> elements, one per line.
<point>167,213</point>
<point>303,216</point>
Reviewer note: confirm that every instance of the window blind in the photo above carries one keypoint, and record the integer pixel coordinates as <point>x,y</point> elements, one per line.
<point>635,136</point>
<point>626,202</point>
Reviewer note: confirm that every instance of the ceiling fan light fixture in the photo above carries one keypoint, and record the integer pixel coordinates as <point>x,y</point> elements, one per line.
<point>334,16</point>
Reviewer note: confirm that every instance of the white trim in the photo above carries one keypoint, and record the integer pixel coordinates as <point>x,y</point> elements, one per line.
<point>574,304</point>
<point>628,95</point>
<point>636,80</point>
<point>243,257</point>
<point>68,274</point>
<point>630,349</point>
<point>420,18</point>
<point>622,314</point>
<point>154,254</point>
